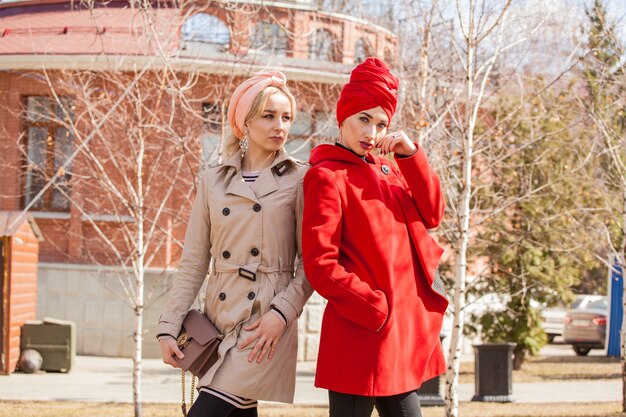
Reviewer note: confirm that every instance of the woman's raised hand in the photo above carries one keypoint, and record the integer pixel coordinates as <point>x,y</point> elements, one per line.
<point>397,142</point>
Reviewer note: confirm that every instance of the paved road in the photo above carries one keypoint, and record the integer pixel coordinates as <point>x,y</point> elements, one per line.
<point>109,379</point>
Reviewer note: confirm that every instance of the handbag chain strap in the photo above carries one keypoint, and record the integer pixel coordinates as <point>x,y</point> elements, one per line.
<point>183,405</point>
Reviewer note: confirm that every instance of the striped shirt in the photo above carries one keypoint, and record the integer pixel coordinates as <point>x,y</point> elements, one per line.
<point>250,176</point>
<point>238,402</point>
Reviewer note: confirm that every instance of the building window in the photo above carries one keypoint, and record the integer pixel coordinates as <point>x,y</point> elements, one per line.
<point>269,37</point>
<point>49,144</point>
<point>211,132</point>
<point>322,46</point>
<point>212,116</point>
<point>361,51</point>
<point>206,31</point>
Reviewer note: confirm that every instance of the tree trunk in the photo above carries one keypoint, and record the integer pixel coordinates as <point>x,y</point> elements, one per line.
<point>456,341</point>
<point>139,283</point>
<point>423,74</point>
<point>138,338</point>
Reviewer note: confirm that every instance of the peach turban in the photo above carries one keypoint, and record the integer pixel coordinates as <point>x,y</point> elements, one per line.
<point>244,95</point>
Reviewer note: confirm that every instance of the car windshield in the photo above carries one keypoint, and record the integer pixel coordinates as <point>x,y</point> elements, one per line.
<point>599,304</point>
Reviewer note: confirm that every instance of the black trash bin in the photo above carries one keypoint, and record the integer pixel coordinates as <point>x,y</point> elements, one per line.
<point>430,391</point>
<point>493,369</point>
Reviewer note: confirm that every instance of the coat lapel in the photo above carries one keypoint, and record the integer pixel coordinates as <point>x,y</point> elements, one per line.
<point>266,183</point>
<point>236,185</point>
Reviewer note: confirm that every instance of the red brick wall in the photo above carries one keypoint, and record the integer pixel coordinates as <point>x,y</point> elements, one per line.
<point>10,88</point>
<point>73,239</point>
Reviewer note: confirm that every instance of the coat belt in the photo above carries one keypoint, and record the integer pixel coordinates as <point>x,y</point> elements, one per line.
<point>249,271</point>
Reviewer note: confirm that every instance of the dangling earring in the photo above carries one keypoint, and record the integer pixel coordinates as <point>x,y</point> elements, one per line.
<point>243,144</point>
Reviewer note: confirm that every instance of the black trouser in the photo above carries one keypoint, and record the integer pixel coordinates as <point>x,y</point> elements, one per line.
<point>348,405</point>
<point>207,405</point>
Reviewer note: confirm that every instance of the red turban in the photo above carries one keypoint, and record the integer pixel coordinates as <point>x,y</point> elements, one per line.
<point>371,85</point>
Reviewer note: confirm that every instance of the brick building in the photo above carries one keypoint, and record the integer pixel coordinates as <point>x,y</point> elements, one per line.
<point>81,87</point>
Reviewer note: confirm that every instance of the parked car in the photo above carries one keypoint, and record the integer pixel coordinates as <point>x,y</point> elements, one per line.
<point>553,321</point>
<point>553,318</point>
<point>585,328</point>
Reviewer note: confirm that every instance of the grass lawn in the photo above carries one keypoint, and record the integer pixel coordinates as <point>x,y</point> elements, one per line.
<point>554,368</point>
<point>473,409</point>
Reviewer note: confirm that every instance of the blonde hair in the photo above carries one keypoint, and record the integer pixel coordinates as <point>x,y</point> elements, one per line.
<point>231,146</point>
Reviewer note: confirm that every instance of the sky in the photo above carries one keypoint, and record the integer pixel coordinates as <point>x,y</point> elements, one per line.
<point>618,11</point>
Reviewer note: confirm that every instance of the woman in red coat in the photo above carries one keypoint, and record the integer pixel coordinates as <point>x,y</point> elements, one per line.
<point>366,249</point>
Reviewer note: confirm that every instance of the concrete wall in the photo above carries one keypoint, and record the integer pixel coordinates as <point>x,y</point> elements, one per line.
<point>93,299</point>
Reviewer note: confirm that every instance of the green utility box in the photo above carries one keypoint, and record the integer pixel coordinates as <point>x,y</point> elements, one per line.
<point>54,339</point>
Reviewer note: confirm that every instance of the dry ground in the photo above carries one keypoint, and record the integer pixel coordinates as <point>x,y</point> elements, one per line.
<point>75,409</point>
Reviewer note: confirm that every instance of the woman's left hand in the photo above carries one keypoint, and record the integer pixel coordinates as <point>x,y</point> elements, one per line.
<point>397,142</point>
<point>269,329</point>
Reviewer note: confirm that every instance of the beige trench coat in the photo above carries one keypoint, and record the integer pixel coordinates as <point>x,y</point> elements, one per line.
<point>254,226</point>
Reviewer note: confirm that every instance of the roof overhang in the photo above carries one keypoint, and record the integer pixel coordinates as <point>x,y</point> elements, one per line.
<point>11,221</point>
<point>331,75</point>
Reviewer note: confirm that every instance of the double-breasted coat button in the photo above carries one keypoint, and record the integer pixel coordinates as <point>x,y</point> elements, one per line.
<point>385,169</point>
<point>254,252</point>
<point>256,207</point>
<point>226,254</point>
<point>222,296</point>
<point>226,211</point>
<point>251,295</point>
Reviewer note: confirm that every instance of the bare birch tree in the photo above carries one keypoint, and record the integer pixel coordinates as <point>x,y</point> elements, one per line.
<point>477,26</point>
<point>133,141</point>
<point>136,152</point>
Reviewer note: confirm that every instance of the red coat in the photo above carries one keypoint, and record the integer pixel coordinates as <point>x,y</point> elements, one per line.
<point>367,251</point>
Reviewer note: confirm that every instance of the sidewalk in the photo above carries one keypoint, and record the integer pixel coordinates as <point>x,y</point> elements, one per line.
<point>99,379</point>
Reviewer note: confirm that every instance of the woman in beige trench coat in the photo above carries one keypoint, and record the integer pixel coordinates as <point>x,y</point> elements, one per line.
<point>244,228</point>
